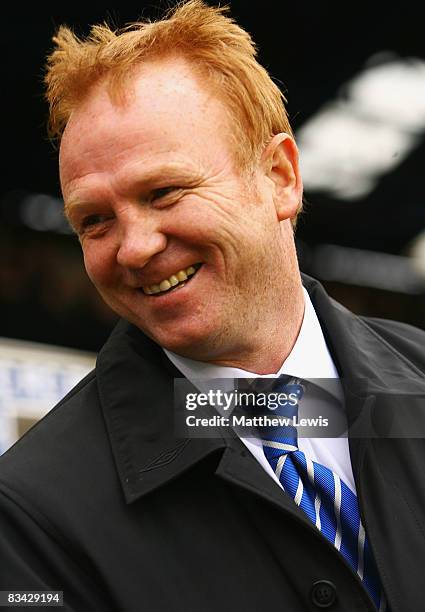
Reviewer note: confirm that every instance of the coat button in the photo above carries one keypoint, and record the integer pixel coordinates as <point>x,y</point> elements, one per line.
<point>323,593</point>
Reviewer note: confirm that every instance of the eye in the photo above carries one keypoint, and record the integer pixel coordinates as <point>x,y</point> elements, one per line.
<point>93,225</point>
<point>91,220</point>
<point>157,194</point>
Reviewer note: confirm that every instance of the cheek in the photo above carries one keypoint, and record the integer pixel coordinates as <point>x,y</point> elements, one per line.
<point>99,265</point>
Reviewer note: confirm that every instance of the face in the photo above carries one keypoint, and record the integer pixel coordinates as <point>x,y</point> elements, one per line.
<point>176,239</point>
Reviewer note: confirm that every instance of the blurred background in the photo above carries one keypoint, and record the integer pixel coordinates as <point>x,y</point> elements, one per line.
<point>354,77</point>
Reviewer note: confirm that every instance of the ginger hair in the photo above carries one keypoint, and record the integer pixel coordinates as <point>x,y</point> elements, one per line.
<point>220,51</point>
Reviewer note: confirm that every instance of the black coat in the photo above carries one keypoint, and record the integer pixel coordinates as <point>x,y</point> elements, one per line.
<point>101,501</point>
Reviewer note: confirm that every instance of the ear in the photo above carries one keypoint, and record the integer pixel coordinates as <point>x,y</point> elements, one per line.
<point>280,163</point>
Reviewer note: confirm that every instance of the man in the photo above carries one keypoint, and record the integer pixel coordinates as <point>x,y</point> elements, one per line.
<point>180,177</point>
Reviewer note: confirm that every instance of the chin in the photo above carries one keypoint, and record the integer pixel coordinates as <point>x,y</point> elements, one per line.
<point>193,337</point>
<point>192,347</point>
<point>194,344</point>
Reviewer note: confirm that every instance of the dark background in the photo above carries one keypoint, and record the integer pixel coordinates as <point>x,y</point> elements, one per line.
<point>313,49</point>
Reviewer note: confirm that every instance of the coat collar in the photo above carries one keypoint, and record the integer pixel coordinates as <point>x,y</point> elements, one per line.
<point>136,389</point>
<point>135,381</point>
<point>379,382</point>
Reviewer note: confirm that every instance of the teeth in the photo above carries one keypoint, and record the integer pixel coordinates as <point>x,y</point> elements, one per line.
<point>172,281</point>
<point>165,285</point>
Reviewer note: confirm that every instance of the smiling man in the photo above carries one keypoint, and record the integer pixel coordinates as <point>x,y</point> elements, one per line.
<point>172,227</point>
<point>180,177</point>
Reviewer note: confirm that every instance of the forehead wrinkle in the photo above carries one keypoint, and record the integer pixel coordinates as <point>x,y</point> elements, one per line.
<point>133,162</point>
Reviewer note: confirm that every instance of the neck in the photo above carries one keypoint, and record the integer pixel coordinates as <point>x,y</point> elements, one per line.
<point>274,344</point>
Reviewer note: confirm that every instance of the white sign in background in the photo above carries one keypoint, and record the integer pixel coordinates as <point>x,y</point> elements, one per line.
<point>33,378</point>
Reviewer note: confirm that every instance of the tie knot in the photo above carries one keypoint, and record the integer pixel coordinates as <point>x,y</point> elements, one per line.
<point>283,383</point>
<point>292,386</point>
<point>274,403</point>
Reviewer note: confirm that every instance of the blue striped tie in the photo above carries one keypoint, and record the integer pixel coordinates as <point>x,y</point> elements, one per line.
<point>327,501</point>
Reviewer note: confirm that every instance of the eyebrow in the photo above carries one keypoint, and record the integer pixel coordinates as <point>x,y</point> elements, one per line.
<point>73,205</point>
<point>148,183</point>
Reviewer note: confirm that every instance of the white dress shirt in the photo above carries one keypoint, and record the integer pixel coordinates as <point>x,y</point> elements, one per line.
<point>309,359</point>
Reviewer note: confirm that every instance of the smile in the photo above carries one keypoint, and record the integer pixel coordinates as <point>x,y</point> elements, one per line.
<point>175,281</point>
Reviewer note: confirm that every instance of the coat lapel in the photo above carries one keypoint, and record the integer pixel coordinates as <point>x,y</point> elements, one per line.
<point>136,390</point>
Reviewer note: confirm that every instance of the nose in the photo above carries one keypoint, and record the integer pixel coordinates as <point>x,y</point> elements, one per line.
<point>140,239</point>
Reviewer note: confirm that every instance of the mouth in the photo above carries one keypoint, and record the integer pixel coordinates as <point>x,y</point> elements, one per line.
<point>174,282</point>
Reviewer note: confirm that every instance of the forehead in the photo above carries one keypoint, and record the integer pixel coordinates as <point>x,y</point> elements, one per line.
<point>169,112</point>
